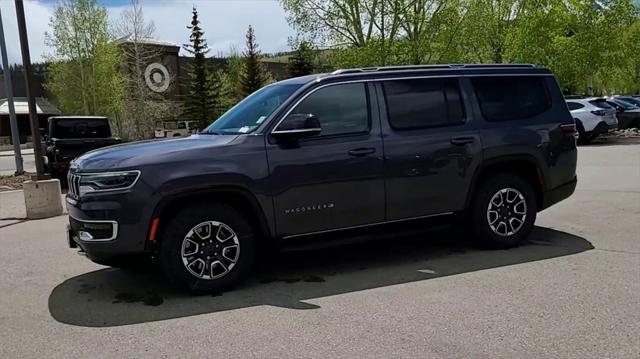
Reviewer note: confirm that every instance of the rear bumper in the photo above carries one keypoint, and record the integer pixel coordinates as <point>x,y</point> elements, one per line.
<point>558,194</point>
<point>603,127</point>
<point>61,167</point>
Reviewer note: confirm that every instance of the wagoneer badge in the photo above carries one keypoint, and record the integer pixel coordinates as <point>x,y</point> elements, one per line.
<point>315,207</point>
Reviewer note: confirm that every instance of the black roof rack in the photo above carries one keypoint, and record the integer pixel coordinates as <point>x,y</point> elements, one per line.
<point>428,67</point>
<point>573,97</point>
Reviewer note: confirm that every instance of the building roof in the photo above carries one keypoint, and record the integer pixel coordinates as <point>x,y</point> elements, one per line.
<point>43,106</point>
<point>146,41</point>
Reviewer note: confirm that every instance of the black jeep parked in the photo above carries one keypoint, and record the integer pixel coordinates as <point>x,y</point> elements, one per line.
<point>71,136</point>
<point>329,155</point>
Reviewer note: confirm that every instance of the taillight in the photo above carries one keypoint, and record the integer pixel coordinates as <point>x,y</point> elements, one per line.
<point>599,112</point>
<point>568,128</point>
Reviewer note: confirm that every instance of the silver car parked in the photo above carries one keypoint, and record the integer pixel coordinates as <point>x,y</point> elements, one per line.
<point>593,116</point>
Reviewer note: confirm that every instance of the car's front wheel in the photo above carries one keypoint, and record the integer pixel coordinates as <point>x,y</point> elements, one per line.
<point>207,247</point>
<point>504,211</point>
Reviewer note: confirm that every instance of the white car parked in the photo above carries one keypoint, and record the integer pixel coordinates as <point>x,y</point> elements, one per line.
<point>168,129</point>
<point>593,116</point>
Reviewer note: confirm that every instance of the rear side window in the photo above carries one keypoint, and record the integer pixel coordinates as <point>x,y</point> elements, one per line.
<point>422,103</point>
<point>574,106</point>
<point>81,128</point>
<point>601,104</point>
<point>504,98</point>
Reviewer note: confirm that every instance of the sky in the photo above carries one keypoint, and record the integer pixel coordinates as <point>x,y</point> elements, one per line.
<point>224,22</point>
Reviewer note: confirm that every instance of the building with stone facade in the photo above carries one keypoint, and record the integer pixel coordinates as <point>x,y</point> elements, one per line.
<point>165,73</point>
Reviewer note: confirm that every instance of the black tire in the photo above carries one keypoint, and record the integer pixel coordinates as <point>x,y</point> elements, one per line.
<point>583,138</point>
<point>174,233</point>
<point>480,211</point>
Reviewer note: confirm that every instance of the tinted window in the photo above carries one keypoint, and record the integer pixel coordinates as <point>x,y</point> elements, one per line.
<point>632,100</point>
<point>419,103</point>
<point>574,106</point>
<point>340,109</point>
<point>626,104</point>
<point>81,128</point>
<point>601,104</point>
<point>504,98</point>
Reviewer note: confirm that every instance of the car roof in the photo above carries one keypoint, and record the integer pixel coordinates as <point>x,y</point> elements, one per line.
<point>78,117</point>
<point>421,70</point>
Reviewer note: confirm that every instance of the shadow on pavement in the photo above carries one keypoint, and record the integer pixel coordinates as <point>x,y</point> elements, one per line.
<point>613,141</point>
<point>113,297</point>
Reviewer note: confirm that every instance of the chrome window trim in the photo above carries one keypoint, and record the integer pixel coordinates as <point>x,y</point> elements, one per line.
<point>291,131</point>
<point>114,230</point>
<point>382,79</point>
<point>313,90</point>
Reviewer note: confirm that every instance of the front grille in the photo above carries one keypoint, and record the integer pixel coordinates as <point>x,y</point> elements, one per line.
<point>73,181</point>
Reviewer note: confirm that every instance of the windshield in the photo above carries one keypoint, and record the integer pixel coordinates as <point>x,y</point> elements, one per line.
<point>626,105</point>
<point>81,128</point>
<point>630,100</point>
<point>249,113</point>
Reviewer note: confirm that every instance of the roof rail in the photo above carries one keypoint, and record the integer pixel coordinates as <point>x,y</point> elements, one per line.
<point>425,67</point>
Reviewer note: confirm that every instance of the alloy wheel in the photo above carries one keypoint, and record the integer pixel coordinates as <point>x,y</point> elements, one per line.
<point>210,250</point>
<point>507,212</point>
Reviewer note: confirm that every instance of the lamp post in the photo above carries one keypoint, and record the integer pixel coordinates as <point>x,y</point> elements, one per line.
<point>8,90</point>
<point>33,112</point>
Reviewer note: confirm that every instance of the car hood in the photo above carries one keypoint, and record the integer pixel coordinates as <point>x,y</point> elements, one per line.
<point>139,154</point>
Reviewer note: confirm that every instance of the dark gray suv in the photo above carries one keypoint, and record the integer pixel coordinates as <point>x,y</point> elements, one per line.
<point>331,154</point>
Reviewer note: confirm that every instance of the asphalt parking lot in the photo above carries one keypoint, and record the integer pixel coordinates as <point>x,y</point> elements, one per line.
<point>573,291</point>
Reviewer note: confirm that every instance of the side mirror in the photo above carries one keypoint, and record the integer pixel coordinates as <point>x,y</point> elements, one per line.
<point>298,125</point>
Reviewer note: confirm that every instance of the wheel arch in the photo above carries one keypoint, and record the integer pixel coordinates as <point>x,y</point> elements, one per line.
<point>237,197</point>
<point>526,167</point>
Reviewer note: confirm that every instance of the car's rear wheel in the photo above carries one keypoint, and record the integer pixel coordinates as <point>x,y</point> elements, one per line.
<point>582,137</point>
<point>207,247</point>
<point>504,211</point>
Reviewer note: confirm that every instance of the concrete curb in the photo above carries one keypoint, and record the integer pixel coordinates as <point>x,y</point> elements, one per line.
<point>26,152</point>
<point>12,205</point>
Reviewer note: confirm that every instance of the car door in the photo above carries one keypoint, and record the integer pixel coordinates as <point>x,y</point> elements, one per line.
<point>335,179</point>
<point>431,146</point>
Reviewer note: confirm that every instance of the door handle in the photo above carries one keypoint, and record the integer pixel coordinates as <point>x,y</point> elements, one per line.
<point>359,152</point>
<point>461,141</point>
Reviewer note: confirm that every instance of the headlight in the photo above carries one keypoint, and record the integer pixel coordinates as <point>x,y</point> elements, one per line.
<point>108,181</point>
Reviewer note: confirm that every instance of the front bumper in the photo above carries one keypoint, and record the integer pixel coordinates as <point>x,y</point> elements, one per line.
<point>109,226</point>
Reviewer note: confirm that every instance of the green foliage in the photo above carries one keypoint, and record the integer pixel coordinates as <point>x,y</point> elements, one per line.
<point>592,47</point>
<point>83,72</point>
<point>588,47</point>
<point>230,78</point>
<point>301,62</point>
<point>254,75</point>
<point>202,102</point>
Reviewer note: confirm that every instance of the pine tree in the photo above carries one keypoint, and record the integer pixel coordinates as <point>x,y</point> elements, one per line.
<point>202,101</point>
<point>301,62</point>
<point>254,76</point>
